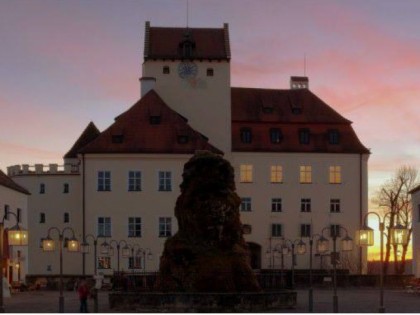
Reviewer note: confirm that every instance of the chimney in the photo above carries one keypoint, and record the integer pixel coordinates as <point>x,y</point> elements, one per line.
<point>299,83</point>
<point>146,84</point>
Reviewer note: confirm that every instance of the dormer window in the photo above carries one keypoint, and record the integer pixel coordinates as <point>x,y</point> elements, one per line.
<point>166,70</point>
<point>275,135</point>
<point>155,120</point>
<point>182,139</point>
<point>267,109</point>
<point>297,110</point>
<point>210,72</point>
<point>246,135</point>
<point>187,46</point>
<point>304,136</point>
<point>117,138</point>
<point>333,136</point>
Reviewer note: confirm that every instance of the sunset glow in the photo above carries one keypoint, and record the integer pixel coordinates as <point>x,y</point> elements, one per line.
<point>66,63</point>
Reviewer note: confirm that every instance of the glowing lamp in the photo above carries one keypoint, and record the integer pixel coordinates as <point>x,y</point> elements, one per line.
<point>364,236</point>
<point>48,245</point>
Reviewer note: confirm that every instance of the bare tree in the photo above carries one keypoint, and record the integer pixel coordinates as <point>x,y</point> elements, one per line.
<point>394,196</point>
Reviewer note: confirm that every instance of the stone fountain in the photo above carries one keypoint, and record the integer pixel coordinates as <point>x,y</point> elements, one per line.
<point>205,265</point>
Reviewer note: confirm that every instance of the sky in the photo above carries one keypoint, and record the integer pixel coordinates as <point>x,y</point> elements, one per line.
<point>66,63</point>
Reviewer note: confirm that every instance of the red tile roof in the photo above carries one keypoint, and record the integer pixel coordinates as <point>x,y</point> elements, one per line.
<point>133,132</point>
<point>6,181</point>
<point>289,111</point>
<point>89,134</point>
<point>164,42</point>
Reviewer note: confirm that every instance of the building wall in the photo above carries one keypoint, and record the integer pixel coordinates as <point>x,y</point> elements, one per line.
<point>416,233</point>
<point>320,191</point>
<point>53,203</point>
<point>15,200</point>
<point>203,100</point>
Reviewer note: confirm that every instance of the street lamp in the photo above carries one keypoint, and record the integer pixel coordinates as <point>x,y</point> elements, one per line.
<point>107,249</point>
<point>301,249</point>
<point>364,237</point>
<point>146,253</point>
<point>85,248</point>
<point>323,246</point>
<point>311,299</point>
<point>48,245</point>
<point>16,237</point>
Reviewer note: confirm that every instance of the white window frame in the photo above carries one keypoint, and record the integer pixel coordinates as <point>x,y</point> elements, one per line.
<point>335,205</point>
<point>104,228</point>
<point>134,180</point>
<point>165,226</point>
<point>134,227</point>
<point>305,205</point>
<point>104,181</point>
<point>275,227</point>
<point>164,181</point>
<point>246,204</point>
<point>276,205</point>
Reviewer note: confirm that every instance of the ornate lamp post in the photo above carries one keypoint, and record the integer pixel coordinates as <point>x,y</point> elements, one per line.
<point>365,237</point>
<point>323,246</point>
<point>85,248</point>
<point>311,290</point>
<point>16,237</point>
<point>48,245</point>
<point>107,249</point>
<point>146,253</point>
<point>301,249</point>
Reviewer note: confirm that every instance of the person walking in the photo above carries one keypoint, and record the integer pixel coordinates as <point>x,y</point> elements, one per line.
<point>83,292</point>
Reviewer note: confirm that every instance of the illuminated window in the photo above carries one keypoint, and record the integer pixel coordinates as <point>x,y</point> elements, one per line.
<point>276,174</point>
<point>104,262</point>
<point>246,173</point>
<point>335,174</point>
<point>306,174</point>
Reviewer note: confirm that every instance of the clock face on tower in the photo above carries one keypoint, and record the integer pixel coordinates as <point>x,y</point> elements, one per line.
<point>187,70</point>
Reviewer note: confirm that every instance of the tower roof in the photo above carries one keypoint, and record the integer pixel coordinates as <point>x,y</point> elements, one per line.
<point>167,43</point>
<point>149,126</point>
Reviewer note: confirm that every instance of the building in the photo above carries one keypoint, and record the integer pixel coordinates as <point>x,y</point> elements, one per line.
<point>13,199</point>
<point>415,200</point>
<point>299,165</point>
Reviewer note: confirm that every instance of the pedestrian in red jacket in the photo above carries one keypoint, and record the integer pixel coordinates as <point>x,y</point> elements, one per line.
<point>83,291</point>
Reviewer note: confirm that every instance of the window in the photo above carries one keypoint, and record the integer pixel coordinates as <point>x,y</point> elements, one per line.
<point>275,135</point>
<point>210,72</point>
<point>19,215</point>
<point>104,226</point>
<point>246,135</point>
<point>42,188</point>
<point>276,174</point>
<point>334,205</point>
<point>246,173</point>
<point>42,217</point>
<point>104,181</point>
<point>247,229</point>
<point>134,227</point>
<point>134,262</point>
<point>305,230</point>
<point>66,217</point>
<point>335,230</point>
<point>165,181</point>
<point>165,227</point>
<point>305,205</point>
<point>134,181</point>
<point>276,230</point>
<point>246,204</point>
<point>154,120</point>
<point>6,212</point>
<point>166,70</point>
<point>66,188</point>
<point>333,136</point>
<point>276,205</point>
<point>104,262</point>
<point>304,136</point>
<point>335,174</point>
<point>306,174</point>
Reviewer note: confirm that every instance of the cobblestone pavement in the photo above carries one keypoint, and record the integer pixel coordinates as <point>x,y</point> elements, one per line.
<point>350,300</point>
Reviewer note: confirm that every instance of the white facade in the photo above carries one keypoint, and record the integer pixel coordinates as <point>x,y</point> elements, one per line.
<point>205,100</point>
<point>15,267</point>
<point>415,199</point>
